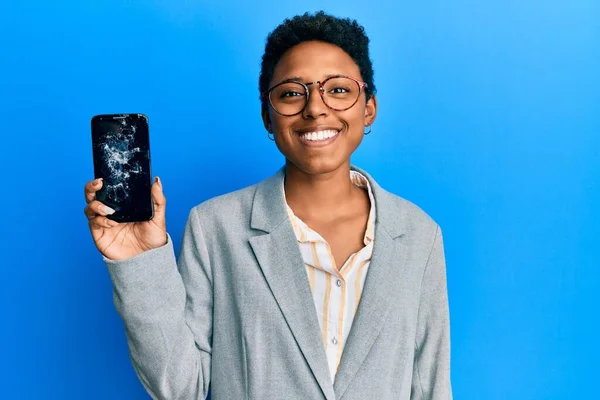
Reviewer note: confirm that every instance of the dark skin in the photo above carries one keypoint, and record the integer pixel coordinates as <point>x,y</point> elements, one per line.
<point>317,185</point>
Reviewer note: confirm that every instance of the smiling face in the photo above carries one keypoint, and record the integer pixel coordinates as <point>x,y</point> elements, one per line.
<point>319,140</point>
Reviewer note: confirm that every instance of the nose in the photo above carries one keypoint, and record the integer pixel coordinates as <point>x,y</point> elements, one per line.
<point>315,107</point>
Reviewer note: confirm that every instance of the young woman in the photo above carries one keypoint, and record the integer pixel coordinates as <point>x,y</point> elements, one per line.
<point>313,284</point>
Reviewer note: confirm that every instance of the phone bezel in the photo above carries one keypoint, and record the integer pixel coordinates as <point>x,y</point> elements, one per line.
<point>118,216</point>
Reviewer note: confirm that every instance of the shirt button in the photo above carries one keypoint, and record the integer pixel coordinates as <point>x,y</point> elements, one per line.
<point>334,341</point>
<point>338,283</point>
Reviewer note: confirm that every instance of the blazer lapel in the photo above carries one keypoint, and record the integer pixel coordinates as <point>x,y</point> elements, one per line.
<point>281,262</point>
<point>388,257</point>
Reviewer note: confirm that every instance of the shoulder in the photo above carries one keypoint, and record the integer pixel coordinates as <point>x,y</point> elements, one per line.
<point>414,215</point>
<point>228,207</point>
<point>403,217</point>
<point>400,214</point>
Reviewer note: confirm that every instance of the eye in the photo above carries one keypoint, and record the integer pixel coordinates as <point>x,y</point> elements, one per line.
<point>339,90</point>
<point>290,93</point>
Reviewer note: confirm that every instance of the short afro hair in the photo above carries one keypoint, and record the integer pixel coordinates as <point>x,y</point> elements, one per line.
<point>345,33</point>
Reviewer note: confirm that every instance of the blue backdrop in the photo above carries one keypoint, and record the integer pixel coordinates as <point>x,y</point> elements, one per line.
<point>489,119</point>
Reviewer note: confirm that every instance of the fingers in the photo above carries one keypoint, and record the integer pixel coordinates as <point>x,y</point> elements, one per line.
<point>96,213</point>
<point>96,208</point>
<point>160,202</point>
<point>102,222</point>
<point>91,188</point>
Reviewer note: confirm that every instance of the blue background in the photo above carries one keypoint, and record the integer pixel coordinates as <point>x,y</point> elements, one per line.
<point>489,119</point>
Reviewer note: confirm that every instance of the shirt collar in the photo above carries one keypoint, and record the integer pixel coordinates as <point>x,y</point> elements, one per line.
<point>305,234</point>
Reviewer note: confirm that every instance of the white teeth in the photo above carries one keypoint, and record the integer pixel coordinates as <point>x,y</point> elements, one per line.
<point>320,135</point>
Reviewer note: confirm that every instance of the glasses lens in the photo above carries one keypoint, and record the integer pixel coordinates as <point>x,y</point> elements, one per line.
<point>341,93</point>
<point>288,98</point>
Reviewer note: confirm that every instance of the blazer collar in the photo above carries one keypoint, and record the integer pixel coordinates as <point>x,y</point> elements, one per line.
<point>279,257</point>
<point>269,208</point>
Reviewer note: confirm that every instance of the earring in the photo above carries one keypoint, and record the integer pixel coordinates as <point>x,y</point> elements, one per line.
<point>370,129</point>
<point>270,134</point>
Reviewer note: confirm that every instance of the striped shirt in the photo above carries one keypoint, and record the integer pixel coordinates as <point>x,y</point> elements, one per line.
<point>336,293</point>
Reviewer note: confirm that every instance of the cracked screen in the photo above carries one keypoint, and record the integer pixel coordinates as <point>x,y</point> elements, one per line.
<point>122,158</point>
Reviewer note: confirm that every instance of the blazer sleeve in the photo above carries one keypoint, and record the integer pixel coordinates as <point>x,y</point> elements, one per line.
<point>431,373</point>
<point>166,308</point>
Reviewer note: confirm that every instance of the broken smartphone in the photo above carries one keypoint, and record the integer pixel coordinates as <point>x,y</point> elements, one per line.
<point>121,151</point>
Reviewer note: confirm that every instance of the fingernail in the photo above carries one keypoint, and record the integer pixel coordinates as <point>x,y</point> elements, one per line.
<point>108,210</point>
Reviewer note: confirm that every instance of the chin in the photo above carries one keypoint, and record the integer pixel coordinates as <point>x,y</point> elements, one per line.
<point>319,166</point>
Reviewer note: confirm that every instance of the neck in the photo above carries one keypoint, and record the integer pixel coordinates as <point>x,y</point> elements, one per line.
<point>314,195</point>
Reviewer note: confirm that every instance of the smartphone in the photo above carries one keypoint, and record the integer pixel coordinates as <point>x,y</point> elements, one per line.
<point>121,152</point>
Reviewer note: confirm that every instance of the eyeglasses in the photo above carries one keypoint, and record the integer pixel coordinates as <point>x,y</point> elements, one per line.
<point>338,92</point>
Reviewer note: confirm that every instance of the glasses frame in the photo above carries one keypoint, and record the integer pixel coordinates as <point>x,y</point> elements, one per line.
<point>267,94</point>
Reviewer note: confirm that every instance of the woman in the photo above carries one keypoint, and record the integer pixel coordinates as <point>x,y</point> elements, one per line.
<point>313,284</point>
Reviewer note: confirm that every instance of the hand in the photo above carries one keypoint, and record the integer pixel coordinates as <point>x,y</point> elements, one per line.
<point>119,241</point>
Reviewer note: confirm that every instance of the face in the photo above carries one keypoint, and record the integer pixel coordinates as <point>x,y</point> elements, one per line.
<point>342,131</point>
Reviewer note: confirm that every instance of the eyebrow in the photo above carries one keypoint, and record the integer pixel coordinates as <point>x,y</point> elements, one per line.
<point>299,79</point>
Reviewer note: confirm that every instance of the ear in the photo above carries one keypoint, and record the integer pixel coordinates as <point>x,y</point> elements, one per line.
<point>266,118</point>
<point>371,110</point>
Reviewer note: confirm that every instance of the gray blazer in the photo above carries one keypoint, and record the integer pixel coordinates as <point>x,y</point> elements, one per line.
<point>236,311</point>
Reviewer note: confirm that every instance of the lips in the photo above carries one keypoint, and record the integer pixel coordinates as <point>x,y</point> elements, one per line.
<point>318,135</point>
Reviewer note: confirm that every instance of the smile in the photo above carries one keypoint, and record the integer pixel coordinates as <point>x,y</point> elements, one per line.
<point>319,137</point>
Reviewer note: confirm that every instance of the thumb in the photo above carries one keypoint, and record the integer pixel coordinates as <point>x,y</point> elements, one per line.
<point>160,202</point>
